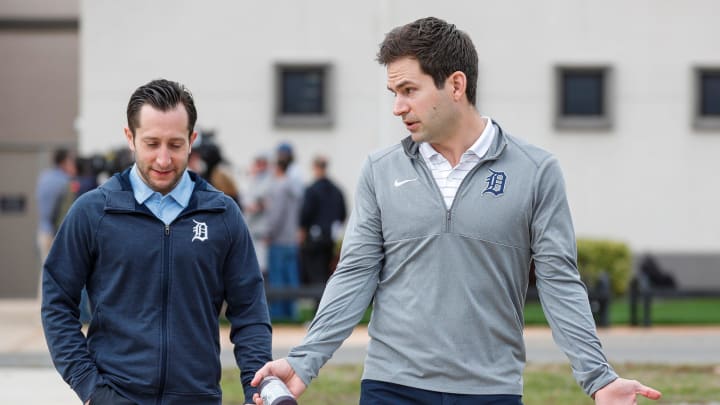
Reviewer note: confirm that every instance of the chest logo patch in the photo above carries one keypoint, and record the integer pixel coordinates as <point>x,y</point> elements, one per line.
<point>495,183</point>
<point>200,231</point>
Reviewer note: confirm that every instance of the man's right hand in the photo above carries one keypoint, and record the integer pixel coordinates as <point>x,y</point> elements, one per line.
<point>282,370</point>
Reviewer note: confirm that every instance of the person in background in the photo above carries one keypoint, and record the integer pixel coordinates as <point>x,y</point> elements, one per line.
<point>159,250</point>
<point>445,227</point>
<point>84,180</point>
<point>322,213</point>
<point>216,170</point>
<point>51,189</point>
<point>88,171</point>
<point>282,209</point>
<point>285,153</point>
<point>254,198</point>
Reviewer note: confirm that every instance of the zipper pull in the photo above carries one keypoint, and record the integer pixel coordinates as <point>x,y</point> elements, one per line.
<point>167,230</point>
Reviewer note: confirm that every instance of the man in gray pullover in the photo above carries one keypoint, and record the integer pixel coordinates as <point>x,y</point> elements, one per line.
<point>441,239</point>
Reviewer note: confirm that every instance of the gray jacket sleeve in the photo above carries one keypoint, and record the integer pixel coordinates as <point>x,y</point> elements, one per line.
<point>562,293</point>
<point>351,288</point>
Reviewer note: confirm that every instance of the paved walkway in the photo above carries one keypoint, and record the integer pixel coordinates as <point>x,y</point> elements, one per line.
<point>27,376</point>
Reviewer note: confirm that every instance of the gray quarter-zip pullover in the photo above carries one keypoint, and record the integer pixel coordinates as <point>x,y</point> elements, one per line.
<point>448,286</point>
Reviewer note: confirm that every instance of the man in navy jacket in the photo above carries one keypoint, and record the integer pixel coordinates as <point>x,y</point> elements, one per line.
<point>322,211</point>
<point>159,250</point>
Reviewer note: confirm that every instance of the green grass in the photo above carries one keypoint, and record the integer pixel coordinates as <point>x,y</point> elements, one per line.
<point>553,384</point>
<point>700,311</point>
<point>544,384</point>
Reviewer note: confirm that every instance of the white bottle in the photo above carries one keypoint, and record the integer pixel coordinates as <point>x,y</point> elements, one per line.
<point>274,392</point>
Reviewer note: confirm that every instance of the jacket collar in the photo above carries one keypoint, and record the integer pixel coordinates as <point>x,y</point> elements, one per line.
<point>412,148</point>
<point>120,197</point>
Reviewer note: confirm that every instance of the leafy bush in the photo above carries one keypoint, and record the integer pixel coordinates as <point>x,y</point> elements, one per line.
<point>598,256</point>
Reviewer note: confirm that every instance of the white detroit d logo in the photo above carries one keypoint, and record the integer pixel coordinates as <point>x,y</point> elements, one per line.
<point>201,231</point>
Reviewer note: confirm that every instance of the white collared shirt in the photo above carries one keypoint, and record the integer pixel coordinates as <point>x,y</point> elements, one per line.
<point>448,178</point>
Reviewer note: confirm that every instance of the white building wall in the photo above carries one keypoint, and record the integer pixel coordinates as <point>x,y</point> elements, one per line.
<point>649,181</point>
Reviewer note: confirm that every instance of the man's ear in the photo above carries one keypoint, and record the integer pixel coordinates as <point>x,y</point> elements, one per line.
<point>193,136</point>
<point>130,138</point>
<point>458,84</point>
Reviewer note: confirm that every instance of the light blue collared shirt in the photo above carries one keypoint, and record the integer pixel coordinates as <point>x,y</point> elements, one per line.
<point>165,207</point>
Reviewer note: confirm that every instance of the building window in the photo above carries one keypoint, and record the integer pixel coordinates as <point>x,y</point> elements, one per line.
<point>582,98</point>
<point>707,104</point>
<point>303,95</point>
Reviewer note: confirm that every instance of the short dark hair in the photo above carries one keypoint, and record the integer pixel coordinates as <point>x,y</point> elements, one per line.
<point>60,155</point>
<point>320,162</point>
<point>283,163</point>
<point>211,154</point>
<point>439,47</point>
<point>163,95</point>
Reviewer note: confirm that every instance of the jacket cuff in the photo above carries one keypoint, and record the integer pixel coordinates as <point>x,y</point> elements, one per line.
<point>86,386</point>
<point>305,374</point>
<point>596,379</point>
<point>249,392</point>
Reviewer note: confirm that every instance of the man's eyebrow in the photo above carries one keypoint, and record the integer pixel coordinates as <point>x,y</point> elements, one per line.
<point>155,138</point>
<point>400,85</point>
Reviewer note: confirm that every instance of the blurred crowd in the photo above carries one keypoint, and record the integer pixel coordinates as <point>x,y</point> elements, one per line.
<point>296,225</point>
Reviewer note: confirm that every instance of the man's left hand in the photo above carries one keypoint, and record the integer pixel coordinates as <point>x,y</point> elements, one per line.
<point>622,391</point>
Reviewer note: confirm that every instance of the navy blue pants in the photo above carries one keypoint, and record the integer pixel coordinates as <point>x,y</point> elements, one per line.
<point>283,272</point>
<point>383,393</point>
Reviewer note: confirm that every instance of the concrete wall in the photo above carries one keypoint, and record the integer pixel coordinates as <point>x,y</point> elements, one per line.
<point>39,44</point>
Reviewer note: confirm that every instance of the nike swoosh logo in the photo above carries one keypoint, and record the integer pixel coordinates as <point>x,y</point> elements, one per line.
<point>399,183</point>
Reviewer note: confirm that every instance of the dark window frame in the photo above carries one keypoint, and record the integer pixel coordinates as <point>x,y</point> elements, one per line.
<point>601,121</point>
<point>701,120</point>
<point>320,119</point>
<point>39,24</point>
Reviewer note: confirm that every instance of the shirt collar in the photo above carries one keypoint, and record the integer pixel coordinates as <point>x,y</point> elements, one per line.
<point>479,147</point>
<point>142,192</point>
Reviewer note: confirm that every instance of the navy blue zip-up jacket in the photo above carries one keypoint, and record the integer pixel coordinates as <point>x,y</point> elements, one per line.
<point>156,293</point>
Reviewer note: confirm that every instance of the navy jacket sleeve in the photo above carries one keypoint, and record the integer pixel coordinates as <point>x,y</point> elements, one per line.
<point>247,308</point>
<point>64,273</point>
